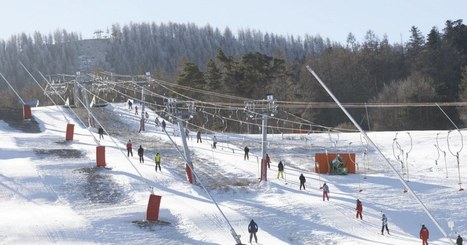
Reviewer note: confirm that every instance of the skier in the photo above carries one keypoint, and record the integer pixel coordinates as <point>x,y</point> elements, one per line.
<point>146,114</point>
<point>280,170</point>
<point>198,137</point>
<point>424,235</point>
<point>136,110</point>
<point>130,105</point>
<point>156,121</point>
<point>325,191</point>
<point>252,229</point>
<point>140,154</point>
<point>245,157</point>
<point>101,133</point>
<point>268,160</point>
<point>157,159</point>
<point>214,142</point>
<point>187,133</point>
<point>459,240</point>
<point>359,209</point>
<point>384,220</point>
<point>302,181</point>
<point>163,125</point>
<point>129,148</point>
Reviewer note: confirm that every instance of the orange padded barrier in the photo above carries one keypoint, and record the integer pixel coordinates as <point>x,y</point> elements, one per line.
<point>323,161</point>
<point>153,207</point>
<point>27,112</point>
<point>189,174</point>
<point>100,156</point>
<point>70,128</point>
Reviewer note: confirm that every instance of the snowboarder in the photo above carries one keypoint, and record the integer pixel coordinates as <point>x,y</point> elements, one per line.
<point>302,181</point>
<point>101,133</point>
<point>280,171</point>
<point>129,148</point>
<point>325,191</point>
<point>198,137</point>
<point>130,105</point>
<point>268,160</point>
<point>214,142</point>
<point>384,221</point>
<point>140,154</point>
<point>136,110</point>
<point>245,157</point>
<point>359,209</point>
<point>252,229</point>
<point>424,235</point>
<point>163,125</point>
<point>459,240</point>
<point>157,159</point>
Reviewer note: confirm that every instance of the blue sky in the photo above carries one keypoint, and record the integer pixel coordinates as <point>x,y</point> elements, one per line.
<point>333,18</point>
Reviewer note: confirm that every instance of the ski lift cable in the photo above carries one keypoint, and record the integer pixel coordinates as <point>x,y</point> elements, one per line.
<point>64,101</point>
<point>115,143</point>
<point>232,230</point>
<point>46,94</point>
<point>217,106</point>
<point>381,153</point>
<point>17,95</point>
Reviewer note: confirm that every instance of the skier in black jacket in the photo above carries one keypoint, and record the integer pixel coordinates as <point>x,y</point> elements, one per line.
<point>100,131</point>
<point>302,181</point>
<point>252,229</point>
<point>140,154</point>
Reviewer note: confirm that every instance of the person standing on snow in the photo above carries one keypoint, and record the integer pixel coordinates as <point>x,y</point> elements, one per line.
<point>325,191</point>
<point>187,133</point>
<point>424,235</point>
<point>252,229</point>
<point>136,110</point>
<point>101,133</point>
<point>129,148</point>
<point>157,159</point>
<point>198,137</point>
<point>130,105</point>
<point>141,154</point>
<point>359,208</point>
<point>163,125</point>
<point>280,171</point>
<point>384,221</point>
<point>268,160</point>
<point>302,181</point>
<point>246,157</point>
<point>214,142</point>
<point>459,240</point>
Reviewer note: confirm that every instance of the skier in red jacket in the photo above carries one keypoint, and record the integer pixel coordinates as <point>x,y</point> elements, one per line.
<point>129,148</point>
<point>424,235</point>
<point>359,208</point>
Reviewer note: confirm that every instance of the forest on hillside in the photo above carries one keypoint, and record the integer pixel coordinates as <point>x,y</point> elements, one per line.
<point>428,68</point>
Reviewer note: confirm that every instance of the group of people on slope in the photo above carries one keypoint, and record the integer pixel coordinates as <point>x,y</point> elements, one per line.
<point>157,157</point>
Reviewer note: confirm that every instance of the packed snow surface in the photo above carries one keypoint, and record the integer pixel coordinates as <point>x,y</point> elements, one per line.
<point>52,192</point>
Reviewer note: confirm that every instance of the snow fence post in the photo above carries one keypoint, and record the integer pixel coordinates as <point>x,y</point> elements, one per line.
<point>27,112</point>
<point>154,203</point>
<point>70,128</point>
<point>100,156</point>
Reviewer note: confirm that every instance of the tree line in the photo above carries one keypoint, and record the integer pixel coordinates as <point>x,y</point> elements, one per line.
<point>251,64</point>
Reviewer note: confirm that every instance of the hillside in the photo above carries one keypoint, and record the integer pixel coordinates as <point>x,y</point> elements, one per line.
<point>52,192</point>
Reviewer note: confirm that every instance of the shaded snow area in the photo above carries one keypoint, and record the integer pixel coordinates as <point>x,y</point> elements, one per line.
<point>52,192</point>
